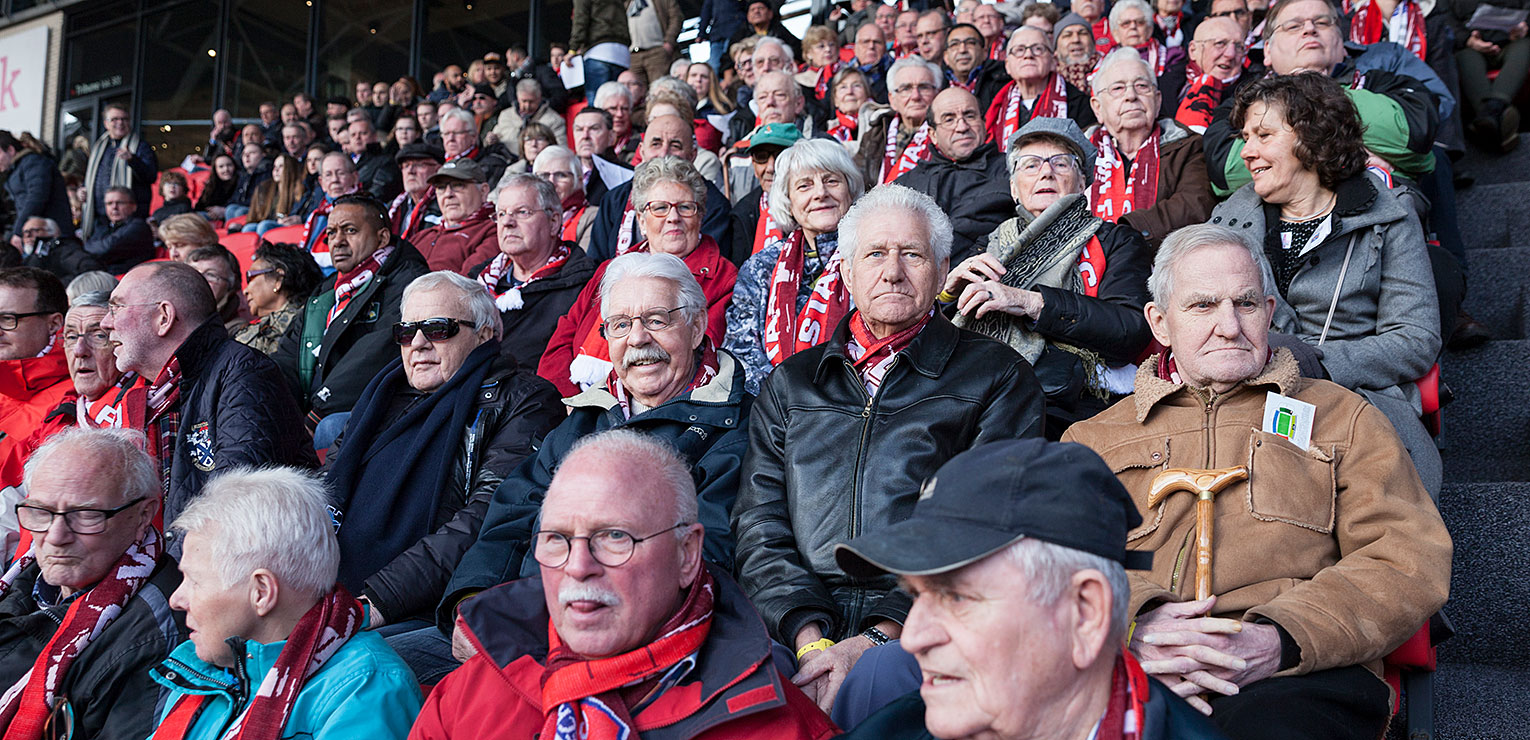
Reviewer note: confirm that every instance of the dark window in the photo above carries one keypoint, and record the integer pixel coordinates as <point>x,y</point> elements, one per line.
<point>458,32</point>
<point>266,46</point>
<point>90,70</point>
<point>178,75</point>
<point>362,40</point>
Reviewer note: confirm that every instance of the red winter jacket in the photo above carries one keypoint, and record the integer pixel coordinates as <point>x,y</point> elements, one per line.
<point>458,248</point>
<point>30,388</point>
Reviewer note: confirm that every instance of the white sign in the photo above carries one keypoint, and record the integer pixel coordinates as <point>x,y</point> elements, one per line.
<point>23,77</point>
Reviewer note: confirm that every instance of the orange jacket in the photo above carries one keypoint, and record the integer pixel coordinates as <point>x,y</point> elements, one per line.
<point>30,388</point>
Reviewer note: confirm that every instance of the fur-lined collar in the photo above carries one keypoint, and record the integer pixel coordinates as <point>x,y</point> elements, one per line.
<point>1281,371</point>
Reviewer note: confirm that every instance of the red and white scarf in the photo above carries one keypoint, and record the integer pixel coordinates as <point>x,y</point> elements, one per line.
<point>624,233</point>
<point>1051,103</point>
<point>788,331</point>
<point>163,403</point>
<point>469,154</point>
<point>351,283</point>
<point>918,150</point>
<point>1103,41</point>
<point>25,706</point>
<point>766,230</point>
<point>707,368</point>
<point>996,49</point>
<point>1115,192</point>
<point>407,223</point>
<point>825,74</point>
<point>1129,692</point>
<point>1155,55</point>
<point>125,409</point>
<point>320,633</point>
<point>873,357</point>
<point>1405,26</point>
<point>499,267</point>
<point>587,699</point>
<point>970,84</point>
<point>1173,27</point>
<point>844,127</point>
<point>574,207</point>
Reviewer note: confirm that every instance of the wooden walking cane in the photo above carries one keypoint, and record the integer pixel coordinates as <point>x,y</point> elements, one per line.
<point>1205,484</point>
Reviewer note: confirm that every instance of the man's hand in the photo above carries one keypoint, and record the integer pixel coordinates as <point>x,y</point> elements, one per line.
<point>1476,43</point>
<point>821,672</point>
<point>462,647</point>
<point>1518,32</point>
<point>1195,653</point>
<point>124,155</point>
<point>16,241</point>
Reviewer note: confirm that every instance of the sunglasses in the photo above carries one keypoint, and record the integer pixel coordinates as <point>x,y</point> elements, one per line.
<point>436,330</point>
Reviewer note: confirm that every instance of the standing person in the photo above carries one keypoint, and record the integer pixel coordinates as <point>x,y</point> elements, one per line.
<point>117,159</point>
<point>34,184</point>
<point>600,34</point>
<point>720,20</point>
<point>654,27</point>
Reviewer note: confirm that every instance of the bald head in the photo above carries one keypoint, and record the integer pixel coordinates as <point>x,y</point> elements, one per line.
<point>958,123</point>
<point>1218,47</point>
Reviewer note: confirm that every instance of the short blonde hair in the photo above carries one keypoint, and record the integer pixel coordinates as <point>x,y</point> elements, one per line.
<point>188,227</point>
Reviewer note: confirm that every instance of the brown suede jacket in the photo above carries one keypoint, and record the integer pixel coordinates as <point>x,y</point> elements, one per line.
<point>1339,544</point>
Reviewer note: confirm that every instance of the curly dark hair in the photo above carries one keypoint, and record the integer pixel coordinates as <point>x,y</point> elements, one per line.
<point>1328,128</point>
<point>300,275</point>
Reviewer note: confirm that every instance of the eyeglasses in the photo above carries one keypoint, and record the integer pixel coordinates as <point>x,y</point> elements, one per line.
<point>968,41</point>
<point>438,329</point>
<point>555,176</point>
<point>1139,86</point>
<point>1297,25</point>
<point>923,88</point>
<point>660,208</point>
<point>654,319</point>
<point>1030,164</point>
<point>8,321</point>
<point>211,276</point>
<point>519,214</point>
<point>610,547</point>
<point>100,338</point>
<point>763,155</point>
<point>1034,50</point>
<point>252,274</point>
<point>1220,45</point>
<point>79,521</point>
<point>949,120</point>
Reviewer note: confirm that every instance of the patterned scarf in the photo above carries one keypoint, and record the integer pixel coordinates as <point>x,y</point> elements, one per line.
<point>1051,103</point>
<point>1168,370</point>
<point>407,223</point>
<point>996,49</point>
<point>1198,101</point>
<point>347,285</point>
<point>587,699</point>
<point>707,368</point>
<point>469,154</point>
<point>624,232</point>
<point>1128,694</point>
<point>573,210</point>
<point>499,267</point>
<point>873,357</point>
<point>25,706</point>
<point>1173,27</point>
<point>970,84</point>
<point>918,150</point>
<point>766,230</point>
<point>163,401</point>
<point>1116,192</point>
<point>1156,56</point>
<point>321,632</point>
<point>825,74</point>
<point>126,409</point>
<point>844,127</point>
<point>1078,74</point>
<point>1406,26</point>
<point>827,305</point>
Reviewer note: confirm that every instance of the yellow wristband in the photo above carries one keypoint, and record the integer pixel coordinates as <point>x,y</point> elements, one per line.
<point>946,297</point>
<point>823,644</point>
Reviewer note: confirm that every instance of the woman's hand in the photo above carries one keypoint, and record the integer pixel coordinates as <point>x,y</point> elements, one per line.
<point>983,298</point>
<point>974,269</point>
<point>1476,43</point>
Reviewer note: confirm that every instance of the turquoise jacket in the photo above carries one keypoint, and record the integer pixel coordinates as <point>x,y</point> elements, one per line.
<point>365,690</point>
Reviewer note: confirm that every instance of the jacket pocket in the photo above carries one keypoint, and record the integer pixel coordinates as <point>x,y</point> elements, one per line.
<point>1289,485</point>
<point>1136,463</point>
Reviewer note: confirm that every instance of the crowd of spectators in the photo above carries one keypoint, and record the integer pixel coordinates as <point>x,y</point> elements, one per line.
<point>831,384</point>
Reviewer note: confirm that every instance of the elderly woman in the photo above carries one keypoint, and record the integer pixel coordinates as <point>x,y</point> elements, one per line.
<point>185,233</point>
<point>280,277</point>
<point>1150,175</point>
<point>1058,284</point>
<point>1357,295</point>
<point>1131,26</point>
<point>848,91</point>
<point>560,166</point>
<point>772,315</point>
<point>1036,90</point>
<point>670,197</point>
<point>613,97</point>
<point>820,54</point>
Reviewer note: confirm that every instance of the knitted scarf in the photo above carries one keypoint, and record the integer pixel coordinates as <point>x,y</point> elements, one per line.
<point>122,174</point>
<point>1128,694</point>
<point>587,699</point>
<point>766,230</point>
<point>1173,27</point>
<point>1156,56</point>
<point>918,150</point>
<point>707,368</point>
<point>1406,26</point>
<point>574,207</point>
<point>1117,192</point>
<point>319,634</point>
<point>1004,119</point>
<point>498,269</point>
<point>826,306</point>
<point>164,417</point>
<point>844,126</point>
<point>25,706</point>
<point>872,357</point>
<point>125,409</point>
<point>348,284</point>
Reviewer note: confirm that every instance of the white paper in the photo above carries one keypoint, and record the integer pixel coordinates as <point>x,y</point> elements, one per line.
<point>1287,417</point>
<point>572,72</point>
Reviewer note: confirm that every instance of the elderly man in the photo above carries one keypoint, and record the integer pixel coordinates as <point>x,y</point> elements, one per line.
<point>990,22</point>
<point>120,158</point>
<point>344,335</point>
<point>872,57</point>
<point>616,226</point>
<point>43,246</point>
<point>637,89</point>
<point>1131,26</point>
<point>276,646</point>
<point>592,142</point>
<point>1216,62</point>
<point>1073,39</point>
<point>34,374</point>
<point>966,174</point>
<point>930,34</point>
<point>374,168</point>
<point>415,209</point>
<point>213,403</point>
<point>614,98</point>
<point>1330,530</point>
<point>1149,175</point>
<point>537,275</point>
<point>337,179</point>
<point>120,239</point>
<point>968,67</point>
<point>1037,89</point>
<point>465,236</point>
<point>625,598</point>
<point>1034,534</point>
<point>752,225</point>
<point>459,138</point>
<point>866,429</point>
<point>83,610</point>
<point>1237,11</point>
<point>430,439</point>
<point>296,136</point>
<point>894,141</point>
<point>530,107</point>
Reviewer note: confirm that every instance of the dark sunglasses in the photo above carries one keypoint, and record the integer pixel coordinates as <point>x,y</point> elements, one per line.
<point>436,330</point>
<point>252,274</point>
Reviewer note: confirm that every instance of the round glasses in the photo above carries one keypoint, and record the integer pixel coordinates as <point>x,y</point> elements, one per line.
<point>610,547</point>
<point>655,319</point>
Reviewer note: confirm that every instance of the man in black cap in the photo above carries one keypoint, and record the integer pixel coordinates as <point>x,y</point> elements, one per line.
<point>415,209</point>
<point>1016,559</point>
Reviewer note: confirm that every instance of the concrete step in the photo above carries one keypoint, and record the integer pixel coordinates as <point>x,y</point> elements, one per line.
<point>1493,296</point>
<point>1494,215</point>
<point>1492,169</point>
<point>1485,427</point>
<point>1490,526</point>
<point>1480,702</point>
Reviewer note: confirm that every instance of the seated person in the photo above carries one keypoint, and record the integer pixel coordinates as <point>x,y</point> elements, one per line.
<point>896,138</point>
<point>968,67</point>
<point>1074,40</point>
<point>595,646</point>
<point>1057,284</point>
<point>1131,27</point>
<point>276,647</point>
<point>125,240</point>
<point>753,227</point>
<point>172,189</point>
<point>1040,641</point>
<point>221,268</point>
<point>34,374</point>
<point>465,236</point>
<point>1490,99</point>
<point>964,173</point>
<point>430,439</point>
<point>617,228</point>
<point>1150,175</point>
<point>1037,89</point>
<point>1216,63</point>
<point>82,612</point>
<point>1320,540</point>
<point>43,246</point>
<point>892,394</point>
<point>576,214</point>
<point>186,233</point>
<point>279,281</point>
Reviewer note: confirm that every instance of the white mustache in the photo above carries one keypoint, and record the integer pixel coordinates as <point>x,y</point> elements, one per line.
<point>570,592</point>
<point>653,353</point>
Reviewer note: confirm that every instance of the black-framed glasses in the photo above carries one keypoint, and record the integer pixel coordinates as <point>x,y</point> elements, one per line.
<point>660,208</point>
<point>8,321</point>
<point>79,521</point>
<point>654,319</point>
<point>610,547</point>
<point>438,329</point>
<point>252,274</point>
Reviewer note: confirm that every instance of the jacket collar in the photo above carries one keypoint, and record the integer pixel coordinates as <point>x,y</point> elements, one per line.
<point>1281,371</point>
<point>22,378</point>
<point>978,160</point>
<point>726,389</point>
<point>200,345</point>
<point>927,354</point>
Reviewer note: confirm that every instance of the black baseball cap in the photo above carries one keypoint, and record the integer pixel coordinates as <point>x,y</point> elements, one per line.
<point>989,497</point>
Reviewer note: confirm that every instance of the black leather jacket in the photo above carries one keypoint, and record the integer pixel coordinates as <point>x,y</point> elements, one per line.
<point>827,463</point>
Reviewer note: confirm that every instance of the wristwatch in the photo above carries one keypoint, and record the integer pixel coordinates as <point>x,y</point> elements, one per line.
<point>876,636</point>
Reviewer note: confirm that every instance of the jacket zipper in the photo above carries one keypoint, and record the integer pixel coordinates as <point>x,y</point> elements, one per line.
<point>855,487</point>
<point>1209,407</point>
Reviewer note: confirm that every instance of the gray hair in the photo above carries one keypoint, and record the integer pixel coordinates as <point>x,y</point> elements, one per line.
<point>1182,242</point>
<point>665,267</point>
<point>667,169</point>
<point>273,518</point>
<point>1118,55</point>
<point>90,282</point>
<point>575,165</point>
<point>914,60</point>
<point>668,469</point>
<point>674,85</point>
<point>527,85</point>
<point>92,299</point>
<point>459,115</point>
<point>1122,6</point>
<point>49,224</point>
<point>474,299</point>
<point>805,156</point>
<point>792,88</point>
<point>768,41</point>
<point>1046,37</point>
<point>896,197</point>
<point>547,195</point>
<point>1047,569</point>
<point>118,451</point>
<point>609,90</point>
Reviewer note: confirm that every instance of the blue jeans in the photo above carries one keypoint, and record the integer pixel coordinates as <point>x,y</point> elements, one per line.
<point>597,73</point>
<point>427,652</point>
<point>717,49</point>
<point>232,211</point>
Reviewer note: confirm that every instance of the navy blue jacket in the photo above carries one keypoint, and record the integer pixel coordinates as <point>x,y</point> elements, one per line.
<point>37,189</point>
<point>120,246</point>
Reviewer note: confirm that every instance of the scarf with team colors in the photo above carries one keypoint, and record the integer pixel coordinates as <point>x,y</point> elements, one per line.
<point>499,267</point>
<point>918,150</point>
<point>788,331</point>
<point>1116,192</point>
<point>351,283</point>
<point>872,357</point>
<point>1051,103</point>
<point>766,230</point>
<point>1406,26</point>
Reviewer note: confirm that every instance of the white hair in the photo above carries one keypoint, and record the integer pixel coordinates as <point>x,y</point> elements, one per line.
<point>118,454</point>
<point>529,85</point>
<point>547,195</point>
<point>676,86</point>
<point>89,282</point>
<point>1046,37</point>
<point>558,151</point>
<point>666,468</point>
<point>1047,569</point>
<point>914,60</point>
<point>49,224</point>
<point>805,156</point>
<point>894,197</point>
<point>1182,242</point>
<point>667,169</point>
<point>474,300</point>
<point>1122,6</point>
<point>456,114</point>
<point>609,90</point>
<point>273,518</point>
<point>665,267</point>
<point>792,88</point>
<point>1118,55</point>
<point>766,42</point>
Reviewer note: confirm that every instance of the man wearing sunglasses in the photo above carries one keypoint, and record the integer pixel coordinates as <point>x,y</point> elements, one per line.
<point>643,632</point>
<point>750,235</point>
<point>82,612</point>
